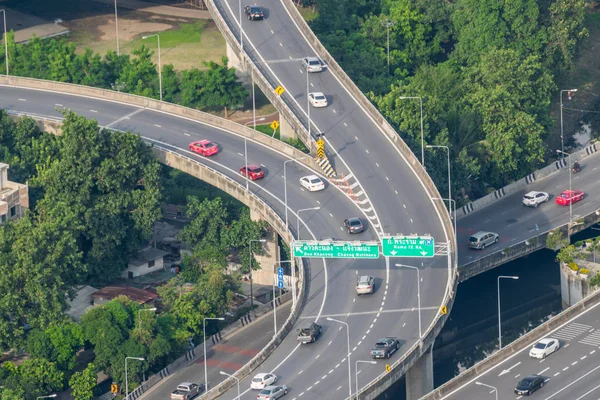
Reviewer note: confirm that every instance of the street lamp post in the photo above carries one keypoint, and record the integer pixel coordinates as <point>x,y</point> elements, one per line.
<point>6,41</point>
<point>308,100</point>
<point>253,98</point>
<point>418,293</point>
<point>159,67</point>
<point>449,181</point>
<point>274,303</point>
<point>451,205</point>
<point>140,317</point>
<point>236,379</point>
<point>356,371</point>
<point>250,249</point>
<point>388,24</point>
<point>422,140</point>
<point>285,188</point>
<point>204,341</point>
<point>488,386</point>
<point>499,319</point>
<point>46,397</point>
<point>570,185</point>
<point>116,28</point>
<point>241,32</point>
<point>562,138</point>
<point>349,363</point>
<point>126,377</point>
<point>298,218</point>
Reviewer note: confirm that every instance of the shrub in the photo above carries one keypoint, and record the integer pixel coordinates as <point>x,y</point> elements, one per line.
<point>595,280</point>
<point>573,266</point>
<point>584,271</point>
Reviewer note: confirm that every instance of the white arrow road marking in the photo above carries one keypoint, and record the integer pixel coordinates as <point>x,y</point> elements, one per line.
<point>506,371</point>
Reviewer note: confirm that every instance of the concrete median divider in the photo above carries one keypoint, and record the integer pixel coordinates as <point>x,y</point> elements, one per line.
<point>553,168</point>
<point>514,347</point>
<point>161,106</point>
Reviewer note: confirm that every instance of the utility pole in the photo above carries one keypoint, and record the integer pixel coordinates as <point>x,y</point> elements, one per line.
<point>388,24</point>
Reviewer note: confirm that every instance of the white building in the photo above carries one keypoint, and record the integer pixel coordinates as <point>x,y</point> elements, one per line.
<point>14,197</point>
<point>144,262</point>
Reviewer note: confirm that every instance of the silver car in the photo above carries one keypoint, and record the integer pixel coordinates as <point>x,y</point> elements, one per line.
<point>365,284</point>
<point>312,64</point>
<point>534,199</point>
<point>272,392</point>
<point>482,239</point>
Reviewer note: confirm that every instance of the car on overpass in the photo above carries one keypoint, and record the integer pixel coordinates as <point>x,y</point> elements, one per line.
<point>569,197</point>
<point>204,148</point>
<point>252,171</point>
<point>254,12</point>
<point>482,239</point>
<point>317,99</point>
<point>544,348</point>
<point>534,199</point>
<point>385,347</point>
<point>529,384</point>
<point>272,392</point>
<point>312,64</point>
<point>365,284</point>
<point>312,183</point>
<point>262,380</point>
<point>354,225</point>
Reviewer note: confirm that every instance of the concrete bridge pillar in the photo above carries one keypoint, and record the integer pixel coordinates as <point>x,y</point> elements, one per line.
<point>234,59</point>
<point>264,276</point>
<point>286,131</point>
<point>419,378</point>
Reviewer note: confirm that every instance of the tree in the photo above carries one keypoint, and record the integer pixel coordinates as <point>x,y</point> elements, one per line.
<point>66,339</point>
<point>170,84</point>
<point>221,87</point>
<point>140,75</point>
<point>82,383</point>
<point>242,233</point>
<point>34,377</point>
<point>192,82</point>
<point>566,27</point>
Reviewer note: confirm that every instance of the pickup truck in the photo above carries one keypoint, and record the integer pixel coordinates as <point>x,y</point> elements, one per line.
<point>187,391</point>
<point>310,334</point>
<point>385,347</point>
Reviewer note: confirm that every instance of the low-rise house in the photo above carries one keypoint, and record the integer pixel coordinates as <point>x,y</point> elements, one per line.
<point>14,197</point>
<point>144,262</point>
<point>140,296</point>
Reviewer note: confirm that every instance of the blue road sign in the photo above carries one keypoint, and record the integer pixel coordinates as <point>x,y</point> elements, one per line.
<point>280,278</point>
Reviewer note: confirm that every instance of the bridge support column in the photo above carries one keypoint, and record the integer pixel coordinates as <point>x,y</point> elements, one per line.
<point>286,131</point>
<point>234,59</point>
<point>419,378</point>
<point>264,276</point>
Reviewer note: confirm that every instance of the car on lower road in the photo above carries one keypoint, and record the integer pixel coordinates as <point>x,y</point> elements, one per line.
<point>312,64</point>
<point>204,148</point>
<point>534,199</point>
<point>365,284</point>
<point>309,334</point>
<point>385,347</point>
<point>317,99</point>
<point>354,225</point>
<point>569,196</point>
<point>544,348</point>
<point>253,172</point>
<point>254,12</point>
<point>272,392</point>
<point>529,384</point>
<point>260,381</point>
<point>312,183</point>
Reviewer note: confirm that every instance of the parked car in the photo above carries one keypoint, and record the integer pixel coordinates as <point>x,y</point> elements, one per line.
<point>312,64</point>
<point>317,99</point>
<point>482,239</point>
<point>204,148</point>
<point>354,225</point>
<point>310,334</point>
<point>529,384</point>
<point>187,391</point>
<point>254,172</point>
<point>385,347</point>
<point>569,196</point>
<point>534,199</point>
<point>260,381</point>
<point>254,12</point>
<point>365,284</point>
<point>312,183</point>
<point>272,392</point>
<point>544,348</point>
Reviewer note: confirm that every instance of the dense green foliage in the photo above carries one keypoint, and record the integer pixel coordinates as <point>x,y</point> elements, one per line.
<point>486,72</point>
<point>214,87</point>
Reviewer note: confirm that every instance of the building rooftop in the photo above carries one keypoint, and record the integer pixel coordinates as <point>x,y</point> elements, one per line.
<point>140,296</point>
<point>143,256</point>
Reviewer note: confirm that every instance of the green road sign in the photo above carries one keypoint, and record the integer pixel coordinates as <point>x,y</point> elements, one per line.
<point>408,246</point>
<point>330,249</point>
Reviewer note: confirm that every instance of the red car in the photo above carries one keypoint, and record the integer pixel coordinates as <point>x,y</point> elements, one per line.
<point>204,148</point>
<point>569,196</point>
<point>254,172</point>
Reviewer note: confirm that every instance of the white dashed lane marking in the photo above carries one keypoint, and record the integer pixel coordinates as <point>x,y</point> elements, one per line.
<point>157,125</point>
<point>22,100</point>
<point>58,105</point>
<point>94,111</point>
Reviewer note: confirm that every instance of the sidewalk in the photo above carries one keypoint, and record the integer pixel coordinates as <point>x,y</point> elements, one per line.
<point>162,10</point>
<point>227,356</point>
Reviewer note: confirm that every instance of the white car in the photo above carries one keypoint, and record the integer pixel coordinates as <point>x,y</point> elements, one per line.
<point>534,199</point>
<point>312,183</point>
<point>317,99</point>
<point>544,348</point>
<point>312,64</point>
<point>260,381</point>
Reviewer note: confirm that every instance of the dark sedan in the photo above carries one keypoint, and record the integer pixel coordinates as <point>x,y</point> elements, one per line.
<point>354,225</point>
<point>529,384</point>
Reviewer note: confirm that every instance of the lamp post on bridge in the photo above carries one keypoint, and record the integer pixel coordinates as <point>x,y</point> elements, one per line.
<point>570,184</point>
<point>562,138</point>
<point>488,386</point>
<point>499,319</point>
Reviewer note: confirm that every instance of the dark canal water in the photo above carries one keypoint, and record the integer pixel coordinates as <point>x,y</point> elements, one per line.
<point>472,329</point>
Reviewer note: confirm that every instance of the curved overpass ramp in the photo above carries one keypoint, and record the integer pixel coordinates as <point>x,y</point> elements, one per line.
<point>317,370</point>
